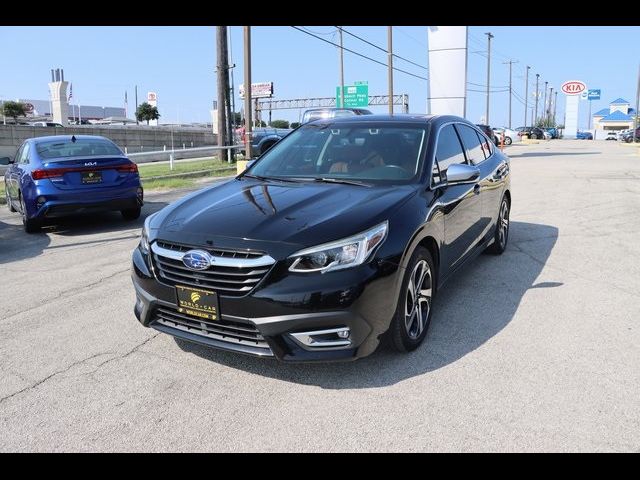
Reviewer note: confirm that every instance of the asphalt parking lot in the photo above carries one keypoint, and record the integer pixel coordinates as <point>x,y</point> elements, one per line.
<point>535,350</point>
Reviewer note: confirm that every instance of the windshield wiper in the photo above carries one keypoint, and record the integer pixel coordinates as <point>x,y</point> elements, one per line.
<point>340,180</point>
<point>264,179</point>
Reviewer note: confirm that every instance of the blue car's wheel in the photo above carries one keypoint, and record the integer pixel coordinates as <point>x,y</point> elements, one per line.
<point>30,225</point>
<point>9,204</point>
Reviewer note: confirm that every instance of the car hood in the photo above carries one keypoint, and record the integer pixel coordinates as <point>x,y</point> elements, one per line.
<point>276,216</point>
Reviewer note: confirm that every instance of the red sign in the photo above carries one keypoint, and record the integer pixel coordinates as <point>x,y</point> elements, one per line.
<point>573,87</point>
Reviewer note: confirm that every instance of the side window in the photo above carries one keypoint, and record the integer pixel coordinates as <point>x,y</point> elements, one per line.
<point>24,157</point>
<point>473,148</point>
<point>19,154</point>
<point>448,151</point>
<point>486,144</point>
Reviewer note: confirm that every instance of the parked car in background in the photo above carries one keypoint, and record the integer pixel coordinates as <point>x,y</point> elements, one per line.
<point>326,113</point>
<point>534,133</point>
<point>47,124</point>
<point>488,131</point>
<point>611,135</point>
<point>546,135</point>
<point>333,238</point>
<point>61,175</point>
<point>584,135</point>
<point>622,133</point>
<point>553,131</point>
<point>628,137</point>
<point>262,138</point>
<point>509,135</point>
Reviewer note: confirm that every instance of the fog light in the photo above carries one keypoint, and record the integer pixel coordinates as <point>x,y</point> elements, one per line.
<point>343,333</point>
<point>40,201</point>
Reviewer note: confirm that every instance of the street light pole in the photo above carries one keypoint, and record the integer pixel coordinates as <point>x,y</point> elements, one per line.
<point>526,96</point>
<point>247,91</point>
<point>510,62</point>
<point>635,121</point>
<point>341,69</point>
<point>390,67</point>
<point>489,37</point>
<point>537,97</point>
<point>544,103</point>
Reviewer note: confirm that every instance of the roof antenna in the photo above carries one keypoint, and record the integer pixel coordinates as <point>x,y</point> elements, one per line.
<point>73,138</point>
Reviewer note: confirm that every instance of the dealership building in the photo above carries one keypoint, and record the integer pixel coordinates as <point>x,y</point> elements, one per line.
<point>619,116</point>
<point>42,110</point>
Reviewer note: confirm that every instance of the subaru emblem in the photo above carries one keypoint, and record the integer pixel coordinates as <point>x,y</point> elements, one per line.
<point>197,259</point>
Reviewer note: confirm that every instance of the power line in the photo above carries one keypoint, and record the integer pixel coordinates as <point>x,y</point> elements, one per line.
<point>380,48</point>
<point>359,54</point>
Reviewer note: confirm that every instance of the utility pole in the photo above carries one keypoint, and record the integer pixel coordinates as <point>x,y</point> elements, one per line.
<point>510,62</point>
<point>233,87</point>
<point>544,102</point>
<point>390,67</point>
<point>635,120</point>
<point>549,106</point>
<point>341,55</point>
<point>136,112</point>
<point>222,80</point>
<point>489,37</point>
<point>537,97</point>
<point>247,91</point>
<point>526,95</point>
<point>555,105</point>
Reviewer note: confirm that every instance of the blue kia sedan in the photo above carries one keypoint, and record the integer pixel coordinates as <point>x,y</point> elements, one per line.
<point>62,175</point>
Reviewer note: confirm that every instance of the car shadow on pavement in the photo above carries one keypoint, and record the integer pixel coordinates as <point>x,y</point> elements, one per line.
<point>16,244</point>
<point>97,223</point>
<point>553,154</point>
<point>472,308</point>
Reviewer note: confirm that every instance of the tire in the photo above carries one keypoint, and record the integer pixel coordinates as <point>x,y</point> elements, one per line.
<point>501,235</point>
<point>30,225</point>
<point>9,204</point>
<point>410,322</point>
<point>630,140</point>
<point>131,213</point>
<point>266,147</point>
<point>508,141</point>
<point>533,136</point>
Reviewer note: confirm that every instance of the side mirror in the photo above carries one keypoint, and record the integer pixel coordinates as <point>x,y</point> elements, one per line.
<point>250,163</point>
<point>6,160</point>
<point>462,173</point>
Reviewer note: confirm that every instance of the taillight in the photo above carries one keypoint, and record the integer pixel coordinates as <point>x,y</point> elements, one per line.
<point>129,168</point>
<point>50,173</point>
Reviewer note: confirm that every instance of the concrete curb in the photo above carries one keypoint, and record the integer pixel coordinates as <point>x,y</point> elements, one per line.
<point>197,173</point>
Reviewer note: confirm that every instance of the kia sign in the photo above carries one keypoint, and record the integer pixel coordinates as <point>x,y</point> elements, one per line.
<point>573,87</point>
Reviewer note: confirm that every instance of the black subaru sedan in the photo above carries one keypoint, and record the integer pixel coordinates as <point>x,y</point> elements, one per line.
<point>340,234</point>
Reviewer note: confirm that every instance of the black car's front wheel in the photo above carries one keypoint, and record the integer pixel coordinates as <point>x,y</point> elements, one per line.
<point>501,236</point>
<point>413,313</point>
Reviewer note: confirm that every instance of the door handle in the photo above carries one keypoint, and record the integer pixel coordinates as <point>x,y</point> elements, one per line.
<point>476,188</point>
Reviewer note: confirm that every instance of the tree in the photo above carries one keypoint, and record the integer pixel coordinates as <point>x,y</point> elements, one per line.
<point>279,124</point>
<point>147,112</point>
<point>294,125</point>
<point>14,110</point>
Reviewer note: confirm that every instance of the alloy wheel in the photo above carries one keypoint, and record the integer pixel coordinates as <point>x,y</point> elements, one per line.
<point>418,300</point>
<point>503,224</point>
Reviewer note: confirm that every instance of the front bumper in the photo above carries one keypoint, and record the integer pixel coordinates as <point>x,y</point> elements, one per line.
<point>263,322</point>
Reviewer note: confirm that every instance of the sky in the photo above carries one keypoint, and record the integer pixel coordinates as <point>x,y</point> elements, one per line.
<point>179,64</point>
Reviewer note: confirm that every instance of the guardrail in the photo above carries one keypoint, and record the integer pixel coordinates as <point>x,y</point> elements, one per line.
<point>180,154</point>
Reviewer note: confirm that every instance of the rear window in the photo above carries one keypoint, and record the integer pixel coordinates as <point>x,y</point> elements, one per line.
<point>82,147</point>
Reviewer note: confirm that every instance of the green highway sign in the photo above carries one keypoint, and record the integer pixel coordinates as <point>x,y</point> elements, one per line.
<point>354,95</point>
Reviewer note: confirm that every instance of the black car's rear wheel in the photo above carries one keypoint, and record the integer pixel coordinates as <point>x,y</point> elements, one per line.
<point>30,225</point>
<point>501,236</point>
<point>534,136</point>
<point>413,313</point>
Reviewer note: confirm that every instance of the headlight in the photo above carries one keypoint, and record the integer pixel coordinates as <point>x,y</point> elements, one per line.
<point>345,253</point>
<point>144,236</point>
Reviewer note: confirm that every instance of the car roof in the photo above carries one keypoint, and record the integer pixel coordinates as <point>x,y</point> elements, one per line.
<point>52,138</point>
<point>401,117</point>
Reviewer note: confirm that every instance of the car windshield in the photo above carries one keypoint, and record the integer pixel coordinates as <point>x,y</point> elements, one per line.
<point>81,147</point>
<point>367,152</point>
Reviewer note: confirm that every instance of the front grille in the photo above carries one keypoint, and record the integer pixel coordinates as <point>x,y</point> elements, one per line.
<point>223,330</point>
<point>216,252</point>
<point>234,273</point>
